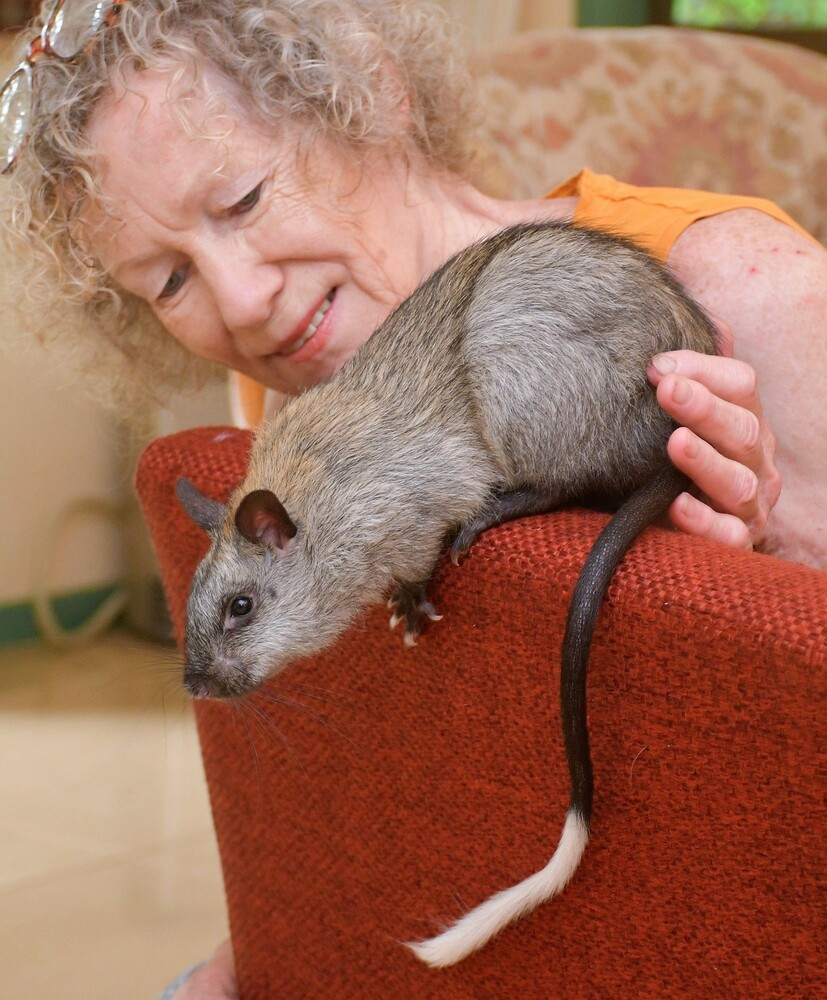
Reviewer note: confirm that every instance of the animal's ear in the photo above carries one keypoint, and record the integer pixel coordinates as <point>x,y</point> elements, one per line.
<point>207,514</point>
<point>262,519</point>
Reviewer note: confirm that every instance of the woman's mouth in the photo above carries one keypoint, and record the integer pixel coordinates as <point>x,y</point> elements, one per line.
<point>310,331</point>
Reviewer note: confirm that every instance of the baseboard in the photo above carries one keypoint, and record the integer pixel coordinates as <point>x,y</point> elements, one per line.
<point>18,624</point>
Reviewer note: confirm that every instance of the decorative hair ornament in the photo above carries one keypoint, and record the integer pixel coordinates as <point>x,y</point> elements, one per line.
<point>68,30</point>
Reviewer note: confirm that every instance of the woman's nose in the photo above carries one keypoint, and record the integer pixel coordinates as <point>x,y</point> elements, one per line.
<point>245,294</point>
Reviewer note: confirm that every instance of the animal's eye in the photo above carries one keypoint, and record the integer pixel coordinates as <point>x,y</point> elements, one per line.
<point>240,607</point>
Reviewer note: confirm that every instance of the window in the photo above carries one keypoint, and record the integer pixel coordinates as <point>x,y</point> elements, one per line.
<point>803,22</point>
<point>782,14</point>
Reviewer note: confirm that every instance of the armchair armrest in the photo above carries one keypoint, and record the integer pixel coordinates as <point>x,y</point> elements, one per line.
<point>372,792</point>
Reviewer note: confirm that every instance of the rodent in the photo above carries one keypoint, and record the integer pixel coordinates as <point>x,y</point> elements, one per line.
<point>511,381</point>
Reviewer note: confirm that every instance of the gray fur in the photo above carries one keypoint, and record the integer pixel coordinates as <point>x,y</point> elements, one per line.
<point>520,363</point>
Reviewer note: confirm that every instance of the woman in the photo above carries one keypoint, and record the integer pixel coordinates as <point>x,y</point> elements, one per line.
<point>290,153</point>
<point>264,180</point>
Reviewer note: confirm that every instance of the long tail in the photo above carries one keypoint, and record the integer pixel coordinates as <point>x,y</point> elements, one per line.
<point>485,921</point>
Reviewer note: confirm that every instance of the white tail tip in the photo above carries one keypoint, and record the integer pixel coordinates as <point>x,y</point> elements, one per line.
<point>478,927</point>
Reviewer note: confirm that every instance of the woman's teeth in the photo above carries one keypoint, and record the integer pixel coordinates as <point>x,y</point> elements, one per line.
<point>313,326</point>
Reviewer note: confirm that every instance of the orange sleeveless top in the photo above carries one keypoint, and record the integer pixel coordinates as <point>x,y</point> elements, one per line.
<point>652,217</point>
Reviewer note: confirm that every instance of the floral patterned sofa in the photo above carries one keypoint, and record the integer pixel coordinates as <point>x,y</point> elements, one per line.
<point>658,106</point>
<point>374,791</point>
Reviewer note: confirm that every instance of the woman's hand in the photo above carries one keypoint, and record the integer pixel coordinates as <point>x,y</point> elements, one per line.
<point>723,445</point>
<point>215,980</point>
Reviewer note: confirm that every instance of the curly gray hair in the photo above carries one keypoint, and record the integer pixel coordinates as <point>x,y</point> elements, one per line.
<point>322,63</point>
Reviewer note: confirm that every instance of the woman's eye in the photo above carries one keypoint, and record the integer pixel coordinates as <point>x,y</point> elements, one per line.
<point>248,202</point>
<point>173,285</point>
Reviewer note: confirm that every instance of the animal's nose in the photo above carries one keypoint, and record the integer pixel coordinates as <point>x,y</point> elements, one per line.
<point>219,678</point>
<point>198,683</point>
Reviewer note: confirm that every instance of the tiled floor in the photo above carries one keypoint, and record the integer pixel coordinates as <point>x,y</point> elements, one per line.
<point>109,875</point>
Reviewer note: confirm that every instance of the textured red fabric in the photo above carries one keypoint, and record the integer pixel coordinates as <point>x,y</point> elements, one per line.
<point>370,793</point>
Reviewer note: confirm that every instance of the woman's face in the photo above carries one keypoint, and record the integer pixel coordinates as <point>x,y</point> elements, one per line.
<point>249,256</point>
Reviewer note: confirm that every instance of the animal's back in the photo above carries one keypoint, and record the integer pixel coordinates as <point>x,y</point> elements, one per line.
<point>561,326</point>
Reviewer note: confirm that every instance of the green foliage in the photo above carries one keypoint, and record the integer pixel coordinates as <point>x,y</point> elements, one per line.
<point>751,13</point>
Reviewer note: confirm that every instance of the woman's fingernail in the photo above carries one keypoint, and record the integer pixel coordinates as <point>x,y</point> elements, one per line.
<point>664,364</point>
<point>686,504</point>
<point>690,448</point>
<point>682,392</point>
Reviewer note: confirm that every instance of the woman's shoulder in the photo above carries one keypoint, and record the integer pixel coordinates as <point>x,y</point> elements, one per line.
<point>745,250</point>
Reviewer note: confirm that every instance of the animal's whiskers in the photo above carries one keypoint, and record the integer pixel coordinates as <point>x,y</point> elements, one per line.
<point>276,698</point>
<point>238,713</point>
<point>319,693</point>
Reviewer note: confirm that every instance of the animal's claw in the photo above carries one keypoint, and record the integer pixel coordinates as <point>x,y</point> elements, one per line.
<point>465,538</point>
<point>410,605</point>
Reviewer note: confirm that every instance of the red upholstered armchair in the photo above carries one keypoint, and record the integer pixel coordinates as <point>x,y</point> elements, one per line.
<point>373,792</point>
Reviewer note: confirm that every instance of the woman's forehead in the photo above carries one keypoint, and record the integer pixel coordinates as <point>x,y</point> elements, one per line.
<point>177,117</point>
<point>165,155</point>
<point>170,98</point>
<point>159,135</point>
<point>156,152</point>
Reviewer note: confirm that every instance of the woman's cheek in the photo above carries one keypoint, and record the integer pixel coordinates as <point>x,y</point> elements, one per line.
<point>198,333</point>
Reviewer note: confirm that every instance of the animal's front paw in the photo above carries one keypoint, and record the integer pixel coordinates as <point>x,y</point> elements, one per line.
<point>410,603</point>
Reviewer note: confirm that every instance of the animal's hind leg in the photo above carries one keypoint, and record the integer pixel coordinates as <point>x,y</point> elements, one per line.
<point>502,507</point>
<point>410,603</point>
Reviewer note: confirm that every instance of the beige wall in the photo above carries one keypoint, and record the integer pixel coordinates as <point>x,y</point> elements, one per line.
<point>54,448</point>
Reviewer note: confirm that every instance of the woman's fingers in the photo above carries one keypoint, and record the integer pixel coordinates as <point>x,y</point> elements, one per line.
<point>727,378</point>
<point>732,428</point>
<point>691,515</point>
<point>724,445</point>
<point>737,515</point>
